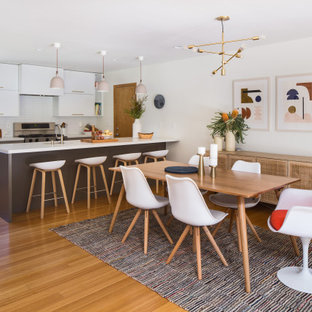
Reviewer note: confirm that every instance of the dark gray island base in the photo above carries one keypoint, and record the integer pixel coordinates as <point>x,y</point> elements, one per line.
<point>16,174</point>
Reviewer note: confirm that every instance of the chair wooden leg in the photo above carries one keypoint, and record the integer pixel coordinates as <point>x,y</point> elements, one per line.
<point>217,228</point>
<point>59,171</point>
<point>54,188</point>
<point>137,162</point>
<point>146,220</point>
<point>215,246</point>
<point>120,197</point>
<point>33,181</point>
<point>253,229</point>
<point>192,232</point>
<point>169,221</point>
<point>88,187</point>
<point>294,243</point>
<point>131,225</point>
<point>94,182</point>
<point>105,183</point>
<point>145,159</point>
<point>42,194</point>
<point>113,179</point>
<point>76,183</point>
<point>198,251</point>
<point>162,226</point>
<point>238,233</point>
<point>178,244</point>
<point>231,220</point>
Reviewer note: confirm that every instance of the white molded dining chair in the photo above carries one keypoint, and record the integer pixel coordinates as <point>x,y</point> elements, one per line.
<point>230,201</point>
<point>189,207</point>
<point>297,222</point>
<point>140,195</point>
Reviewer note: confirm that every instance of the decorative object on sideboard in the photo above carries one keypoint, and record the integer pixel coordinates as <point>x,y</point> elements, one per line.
<point>213,159</point>
<point>251,99</point>
<point>232,126</point>
<point>140,89</point>
<point>159,101</point>
<point>57,82</point>
<point>102,86</point>
<point>294,103</point>
<point>136,110</point>
<point>198,47</point>
<point>219,141</point>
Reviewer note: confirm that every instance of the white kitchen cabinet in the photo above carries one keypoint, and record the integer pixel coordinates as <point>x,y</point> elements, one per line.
<point>79,82</point>
<point>35,80</point>
<point>8,77</point>
<point>9,103</point>
<point>74,105</point>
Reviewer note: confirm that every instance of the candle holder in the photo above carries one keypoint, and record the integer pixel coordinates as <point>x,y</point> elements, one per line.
<point>201,168</point>
<point>213,171</point>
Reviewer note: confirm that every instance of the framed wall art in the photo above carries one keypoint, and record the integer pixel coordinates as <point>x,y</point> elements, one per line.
<point>251,99</point>
<point>294,103</point>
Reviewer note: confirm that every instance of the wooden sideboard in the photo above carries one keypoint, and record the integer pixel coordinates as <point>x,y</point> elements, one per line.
<point>275,164</point>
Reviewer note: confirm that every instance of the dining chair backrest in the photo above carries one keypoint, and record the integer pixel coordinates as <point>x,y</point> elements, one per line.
<point>187,203</point>
<point>138,192</point>
<point>246,166</point>
<point>194,160</point>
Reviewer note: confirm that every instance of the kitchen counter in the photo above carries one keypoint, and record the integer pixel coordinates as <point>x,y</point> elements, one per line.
<point>37,147</point>
<point>7,140</point>
<point>16,174</point>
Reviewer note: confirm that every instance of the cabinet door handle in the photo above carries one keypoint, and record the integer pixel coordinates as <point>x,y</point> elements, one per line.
<point>1,113</point>
<point>77,91</point>
<point>1,87</point>
<point>77,114</point>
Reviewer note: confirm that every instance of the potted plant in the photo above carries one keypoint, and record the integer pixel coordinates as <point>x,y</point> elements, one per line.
<point>232,126</point>
<point>135,111</point>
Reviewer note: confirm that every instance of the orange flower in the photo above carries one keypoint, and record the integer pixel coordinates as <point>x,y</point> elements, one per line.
<point>225,117</point>
<point>234,113</point>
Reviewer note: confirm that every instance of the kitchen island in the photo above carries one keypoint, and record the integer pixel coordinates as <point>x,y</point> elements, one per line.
<point>15,177</point>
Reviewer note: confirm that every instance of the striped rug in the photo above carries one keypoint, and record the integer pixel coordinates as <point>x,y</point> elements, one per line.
<point>221,288</point>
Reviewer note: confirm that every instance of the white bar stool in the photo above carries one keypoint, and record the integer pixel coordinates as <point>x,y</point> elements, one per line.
<point>156,155</point>
<point>126,160</point>
<point>91,162</point>
<point>44,167</point>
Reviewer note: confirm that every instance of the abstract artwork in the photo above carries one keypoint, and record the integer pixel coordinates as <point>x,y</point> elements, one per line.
<point>294,103</point>
<point>251,99</point>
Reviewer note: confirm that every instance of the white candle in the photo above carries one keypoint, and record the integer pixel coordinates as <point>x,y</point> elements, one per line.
<point>201,150</point>
<point>213,155</point>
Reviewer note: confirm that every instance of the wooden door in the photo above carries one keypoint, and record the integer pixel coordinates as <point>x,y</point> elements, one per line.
<point>122,121</point>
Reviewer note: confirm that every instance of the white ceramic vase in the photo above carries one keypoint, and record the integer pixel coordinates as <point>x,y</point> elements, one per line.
<point>136,127</point>
<point>229,141</point>
<point>219,141</point>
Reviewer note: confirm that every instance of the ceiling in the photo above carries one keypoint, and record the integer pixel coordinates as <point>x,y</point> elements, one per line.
<point>128,28</point>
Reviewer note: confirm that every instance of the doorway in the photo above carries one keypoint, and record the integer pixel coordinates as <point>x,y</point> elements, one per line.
<point>123,93</point>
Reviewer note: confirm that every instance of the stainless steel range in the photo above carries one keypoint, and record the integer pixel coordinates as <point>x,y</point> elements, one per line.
<point>34,131</point>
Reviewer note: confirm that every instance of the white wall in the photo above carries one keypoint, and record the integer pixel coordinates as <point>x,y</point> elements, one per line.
<point>193,95</point>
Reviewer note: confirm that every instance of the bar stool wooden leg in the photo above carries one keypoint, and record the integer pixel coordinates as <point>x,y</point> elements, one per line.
<point>88,186</point>
<point>94,182</point>
<point>136,162</point>
<point>105,183</point>
<point>145,159</point>
<point>146,231</point>
<point>33,180</point>
<point>76,183</point>
<point>54,188</point>
<point>113,179</point>
<point>42,194</point>
<point>59,171</point>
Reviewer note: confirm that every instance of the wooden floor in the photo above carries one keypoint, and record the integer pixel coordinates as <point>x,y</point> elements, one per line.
<point>40,271</point>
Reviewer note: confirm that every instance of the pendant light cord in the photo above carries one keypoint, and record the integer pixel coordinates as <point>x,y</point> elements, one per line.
<point>140,71</point>
<point>56,61</point>
<point>103,66</point>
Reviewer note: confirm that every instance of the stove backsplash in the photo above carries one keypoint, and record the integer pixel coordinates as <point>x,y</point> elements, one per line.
<point>40,109</point>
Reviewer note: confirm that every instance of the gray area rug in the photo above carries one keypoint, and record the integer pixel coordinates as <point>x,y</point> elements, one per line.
<point>221,288</point>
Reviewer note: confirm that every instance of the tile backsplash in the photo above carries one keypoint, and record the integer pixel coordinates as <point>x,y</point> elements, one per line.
<point>40,109</point>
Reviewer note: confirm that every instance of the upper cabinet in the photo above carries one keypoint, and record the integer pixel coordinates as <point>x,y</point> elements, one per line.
<point>79,82</point>
<point>35,80</point>
<point>8,77</point>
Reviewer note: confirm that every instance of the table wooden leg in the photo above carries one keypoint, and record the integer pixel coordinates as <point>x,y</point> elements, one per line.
<point>244,241</point>
<point>120,197</point>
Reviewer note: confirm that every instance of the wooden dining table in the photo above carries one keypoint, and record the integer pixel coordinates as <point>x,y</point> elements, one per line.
<point>240,184</point>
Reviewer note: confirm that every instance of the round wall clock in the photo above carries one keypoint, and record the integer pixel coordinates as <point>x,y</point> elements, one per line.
<point>159,101</point>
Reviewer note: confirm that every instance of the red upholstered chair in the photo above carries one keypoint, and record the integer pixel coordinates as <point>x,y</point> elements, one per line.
<point>297,222</point>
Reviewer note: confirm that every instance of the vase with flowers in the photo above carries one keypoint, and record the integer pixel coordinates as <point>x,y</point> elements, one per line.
<point>231,126</point>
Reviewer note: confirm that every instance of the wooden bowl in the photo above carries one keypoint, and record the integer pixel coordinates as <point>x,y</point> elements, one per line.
<point>145,135</point>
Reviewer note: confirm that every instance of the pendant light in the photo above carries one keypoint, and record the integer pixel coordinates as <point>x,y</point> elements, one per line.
<point>102,86</point>
<point>57,82</point>
<point>140,89</point>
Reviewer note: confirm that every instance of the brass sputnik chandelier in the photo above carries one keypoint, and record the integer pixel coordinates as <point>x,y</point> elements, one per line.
<point>198,48</point>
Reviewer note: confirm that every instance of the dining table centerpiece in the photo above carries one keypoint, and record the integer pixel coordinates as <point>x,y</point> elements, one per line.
<point>230,126</point>
<point>135,111</point>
